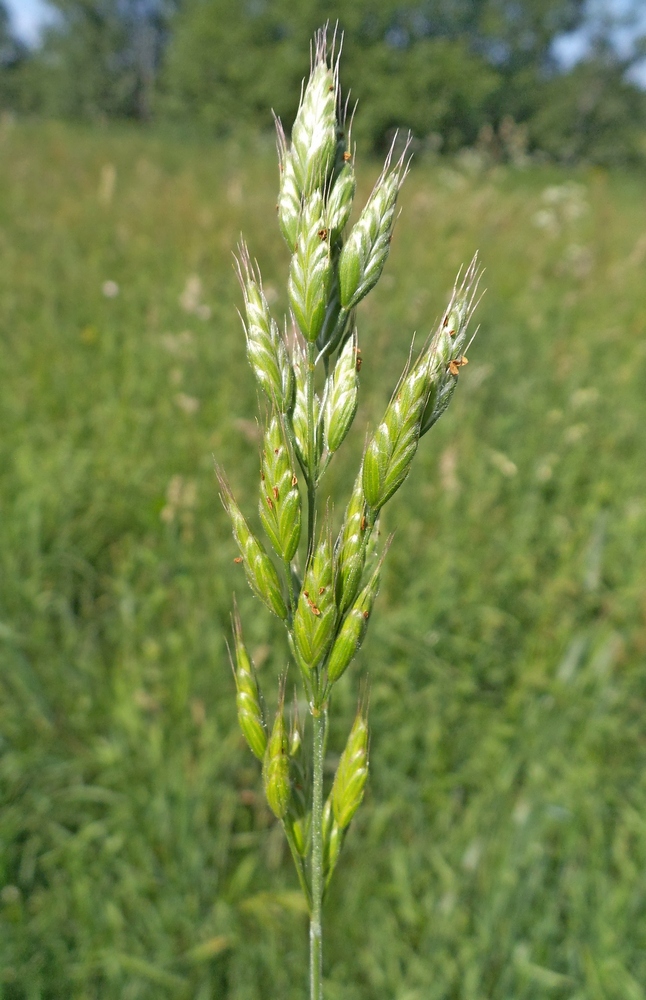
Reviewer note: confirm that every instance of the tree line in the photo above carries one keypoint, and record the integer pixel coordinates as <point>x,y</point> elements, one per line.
<point>457,73</point>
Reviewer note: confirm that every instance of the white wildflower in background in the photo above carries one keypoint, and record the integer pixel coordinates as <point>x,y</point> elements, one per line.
<point>188,404</point>
<point>545,219</point>
<point>181,500</point>
<point>110,289</point>
<point>575,433</point>
<point>562,205</point>
<point>472,855</point>
<point>521,812</point>
<point>577,261</point>
<point>191,298</point>
<point>235,193</point>
<point>584,397</point>
<point>545,468</point>
<point>107,182</point>
<point>271,294</point>
<point>180,345</point>
<point>570,198</point>
<point>503,464</point>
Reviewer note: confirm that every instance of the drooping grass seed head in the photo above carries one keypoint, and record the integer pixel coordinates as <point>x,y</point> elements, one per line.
<point>315,615</point>
<point>354,628</point>
<point>341,396</point>
<point>266,349</point>
<point>365,252</point>
<point>275,771</point>
<point>352,772</point>
<point>350,549</point>
<point>280,498</point>
<point>314,138</point>
<point>289,193</point>
<point>310,272</point>
<point>300,424</point>
<point>248,697</point>
<point>260,571</point>
<point>391,450</point>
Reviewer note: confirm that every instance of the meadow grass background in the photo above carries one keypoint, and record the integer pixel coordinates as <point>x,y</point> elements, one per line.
<point>500,853</point>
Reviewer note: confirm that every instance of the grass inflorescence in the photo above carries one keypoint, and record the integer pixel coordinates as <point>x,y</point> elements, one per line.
<point>325,594</point>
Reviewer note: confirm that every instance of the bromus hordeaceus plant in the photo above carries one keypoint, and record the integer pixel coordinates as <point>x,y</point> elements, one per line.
<point>323,588</point>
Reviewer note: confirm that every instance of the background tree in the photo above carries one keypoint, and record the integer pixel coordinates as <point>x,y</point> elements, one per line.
<point>444,70</point>
<point>591,113</point>
<point>99,59</point>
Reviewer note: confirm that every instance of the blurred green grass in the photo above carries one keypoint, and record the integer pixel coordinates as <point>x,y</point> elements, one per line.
<point>501,848</point>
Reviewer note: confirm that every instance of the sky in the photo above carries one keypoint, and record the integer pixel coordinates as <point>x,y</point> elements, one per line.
<point>29,16</point>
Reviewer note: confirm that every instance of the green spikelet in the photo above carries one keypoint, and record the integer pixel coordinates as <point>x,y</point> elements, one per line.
<point>342,396</point>
<point>299,415</point>
<point>314,131</point>
<point>352,772</point>
<point>248,697</point>
<point>310,273</point>
<point>350,549</point>
<point>289,196</point>
<point>334,329</point>
<point>333,837</point>
<point>353,630</point>
<point>364,255</point>
<point>299,812</point>
<point>315,615</point>
<point>265,347</point>
<point>445,351</point>
<point>275,771</point>
<point>259,569</point>
<point>339,203</point>
<point>280,499</point>
<point>391,450</point>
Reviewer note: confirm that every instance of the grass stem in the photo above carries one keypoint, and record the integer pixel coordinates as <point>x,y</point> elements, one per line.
<point>316,927</point>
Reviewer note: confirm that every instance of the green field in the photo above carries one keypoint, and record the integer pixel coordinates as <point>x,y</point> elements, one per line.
<point>500,853</point>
